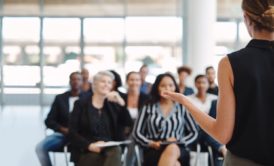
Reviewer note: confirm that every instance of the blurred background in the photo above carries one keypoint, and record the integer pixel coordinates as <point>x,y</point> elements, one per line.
<point>43,41</point>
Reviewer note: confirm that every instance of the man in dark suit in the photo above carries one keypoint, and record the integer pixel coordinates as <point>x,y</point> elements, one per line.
<point>57,120</point>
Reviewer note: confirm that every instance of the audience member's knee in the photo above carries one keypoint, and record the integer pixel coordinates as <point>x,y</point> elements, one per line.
<point>172,150</point>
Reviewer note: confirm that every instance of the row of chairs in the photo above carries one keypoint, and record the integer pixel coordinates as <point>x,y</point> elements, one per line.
<point>197,157</point>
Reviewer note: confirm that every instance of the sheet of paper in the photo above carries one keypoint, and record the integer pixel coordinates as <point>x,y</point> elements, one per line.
<point>113,143</point>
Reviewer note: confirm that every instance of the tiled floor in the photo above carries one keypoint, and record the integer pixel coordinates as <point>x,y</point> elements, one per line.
<point>21,128</point>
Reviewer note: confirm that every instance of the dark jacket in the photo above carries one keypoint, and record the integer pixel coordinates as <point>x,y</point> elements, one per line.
<point>59,112</point>
<point>79,127</point>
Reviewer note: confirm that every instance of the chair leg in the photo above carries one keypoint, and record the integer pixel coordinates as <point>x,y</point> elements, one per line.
<point>66,155</point>
<point>53,158</point>
<point>138,155</point>
<point>198,151</point>
<point>124,156</point>
<point>211,157</point>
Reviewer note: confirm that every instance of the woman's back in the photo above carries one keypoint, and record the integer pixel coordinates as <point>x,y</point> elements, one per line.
<point>253,70</point>
<point>245,111</point>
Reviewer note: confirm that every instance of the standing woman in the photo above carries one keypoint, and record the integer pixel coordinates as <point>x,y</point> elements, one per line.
<point>163,120</point>
<point>245,111</point>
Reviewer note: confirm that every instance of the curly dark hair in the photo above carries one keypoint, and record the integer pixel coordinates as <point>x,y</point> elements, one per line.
<point>186,69</point>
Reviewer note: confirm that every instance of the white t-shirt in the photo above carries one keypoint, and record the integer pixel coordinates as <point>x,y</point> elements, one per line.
<point>71,102</point>
<point>203,106</point>
<point>133,112</point>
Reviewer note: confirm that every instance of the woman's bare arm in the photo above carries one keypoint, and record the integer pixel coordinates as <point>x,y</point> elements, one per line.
<point>222,127</point>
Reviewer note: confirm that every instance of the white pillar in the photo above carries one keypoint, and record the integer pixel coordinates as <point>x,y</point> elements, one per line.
<point>199,40</point>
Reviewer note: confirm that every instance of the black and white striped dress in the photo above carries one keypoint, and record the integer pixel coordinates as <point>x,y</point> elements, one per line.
<point>152,125</point>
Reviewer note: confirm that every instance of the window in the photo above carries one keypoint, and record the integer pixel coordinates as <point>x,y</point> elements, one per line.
<point>21,51</point>
<point>61,50</point>
<point>153,29</point>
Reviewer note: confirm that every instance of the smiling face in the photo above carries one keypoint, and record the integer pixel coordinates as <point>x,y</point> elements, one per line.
<point>134,81</point>
<point>202,84</point>
<point>166,84</point>
<point>102,85</point>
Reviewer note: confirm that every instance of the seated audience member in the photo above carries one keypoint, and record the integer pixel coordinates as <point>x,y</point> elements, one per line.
<point>95,120</point>
<point>134,99</point>
<point>163,121</point>
<point>116,84</point>
<point>183,73</point>
<point>205,102</point>
<point>211,76</point>
<point>145,86</point>
<point>86,83</point>
<point>57,120</point>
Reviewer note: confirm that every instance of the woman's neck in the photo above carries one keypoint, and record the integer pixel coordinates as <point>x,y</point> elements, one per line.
<point>133,92</point>
<point>166,101</point>
<point>98,100</point>
<point>263,35</point>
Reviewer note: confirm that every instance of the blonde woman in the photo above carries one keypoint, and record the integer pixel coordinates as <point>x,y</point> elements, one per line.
<point>96,119</point>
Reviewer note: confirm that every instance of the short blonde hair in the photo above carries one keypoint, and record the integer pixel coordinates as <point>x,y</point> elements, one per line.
<point>98,75</point>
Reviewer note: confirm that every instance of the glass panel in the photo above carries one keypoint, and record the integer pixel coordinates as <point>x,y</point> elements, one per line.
<point>100,58</point>
<point>61,30</point>
<point>154,29</point>
<point>28,31</point>
<point>61,50</point>
<point>103,44</point>
<point>97,30</point>
<point>60,62</point>
<point>230,29</point>
<point>21,51</point>
<point>29,75</point>
<point>22,91</point>
<point>55,91</point>
<point>158,58</point>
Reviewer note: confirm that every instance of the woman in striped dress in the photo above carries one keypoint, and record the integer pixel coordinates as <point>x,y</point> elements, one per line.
<point>161,127</point>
